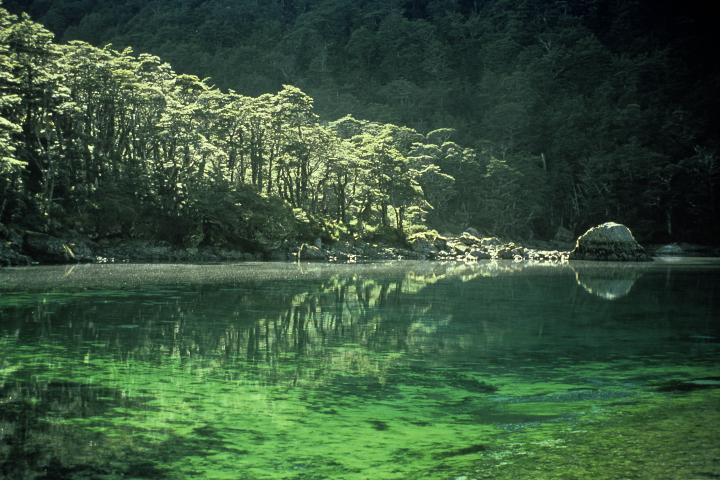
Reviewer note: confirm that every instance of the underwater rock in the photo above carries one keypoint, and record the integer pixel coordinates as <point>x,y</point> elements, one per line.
<point>472,385</point>
<point>608,242</point>
<point>463,451</point>
<point>609,283</point>
<point>379,425</point>
<point>682,386</point>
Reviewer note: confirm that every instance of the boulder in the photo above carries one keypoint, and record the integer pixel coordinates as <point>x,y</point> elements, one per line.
<point>427,244</point>
<point>479,255</point>
<point>457,247</point>
<point>423,246</point>
<point>473,232</point>
<point>490,242</point>
<point>519,253</point>
<point>608,242</point>
<point>48,249</point>
<point>510,251</point>
<point>468,239</point>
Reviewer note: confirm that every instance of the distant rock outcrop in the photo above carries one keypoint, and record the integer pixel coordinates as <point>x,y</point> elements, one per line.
<point>609,242</point>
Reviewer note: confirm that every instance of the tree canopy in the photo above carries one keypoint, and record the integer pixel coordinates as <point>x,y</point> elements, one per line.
<point>515,117</point>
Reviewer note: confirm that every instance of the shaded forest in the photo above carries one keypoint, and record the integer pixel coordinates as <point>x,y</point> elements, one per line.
<point>513,117</point>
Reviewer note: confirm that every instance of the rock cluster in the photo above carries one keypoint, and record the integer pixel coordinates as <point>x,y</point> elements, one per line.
<point>609,242</point>
<point>469,248</point>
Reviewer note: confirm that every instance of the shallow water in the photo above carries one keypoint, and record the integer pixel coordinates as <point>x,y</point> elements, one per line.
<point>394,370</point>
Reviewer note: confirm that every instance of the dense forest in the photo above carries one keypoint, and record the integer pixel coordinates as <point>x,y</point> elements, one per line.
<point>366,120</point>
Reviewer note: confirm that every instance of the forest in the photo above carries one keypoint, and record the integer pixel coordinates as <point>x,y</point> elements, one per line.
<point>260,124</point>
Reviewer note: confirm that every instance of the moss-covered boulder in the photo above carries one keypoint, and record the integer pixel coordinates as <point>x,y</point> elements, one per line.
<point>479,254</point>
<point>491,242</point>
<point>510,251</point>
<point>427,243</point>
<point>609,242</point>
<point>469,239</point>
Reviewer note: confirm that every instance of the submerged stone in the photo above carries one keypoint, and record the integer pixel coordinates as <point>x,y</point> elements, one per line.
<point>463,451</point>
<point>682,386</point>
<point>379,425</point>
<point>472,385</point>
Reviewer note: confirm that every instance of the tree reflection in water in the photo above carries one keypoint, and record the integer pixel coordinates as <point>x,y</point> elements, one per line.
<point>105,364</point>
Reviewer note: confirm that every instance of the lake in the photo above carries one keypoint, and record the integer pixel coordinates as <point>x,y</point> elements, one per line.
<point>402,370</point>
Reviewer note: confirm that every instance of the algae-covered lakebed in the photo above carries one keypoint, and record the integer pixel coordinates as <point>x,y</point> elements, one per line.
<point>403,370</point>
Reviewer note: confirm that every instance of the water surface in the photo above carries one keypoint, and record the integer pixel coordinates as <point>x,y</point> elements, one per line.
<point>393,370</point>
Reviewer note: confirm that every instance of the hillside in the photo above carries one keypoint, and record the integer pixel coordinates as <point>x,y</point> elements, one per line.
<point>576,112</point>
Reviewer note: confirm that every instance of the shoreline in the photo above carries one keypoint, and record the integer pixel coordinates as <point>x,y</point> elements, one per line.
<point>142,252</point>
<point>19,247</point>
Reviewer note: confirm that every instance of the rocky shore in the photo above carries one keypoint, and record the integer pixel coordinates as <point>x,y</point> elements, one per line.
<point>606,242</point>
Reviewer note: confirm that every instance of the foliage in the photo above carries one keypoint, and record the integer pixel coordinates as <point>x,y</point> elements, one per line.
<point>116,144</point>
<point>576,112</point>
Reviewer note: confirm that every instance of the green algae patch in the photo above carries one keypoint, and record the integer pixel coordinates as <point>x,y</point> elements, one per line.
<point>666,438</point>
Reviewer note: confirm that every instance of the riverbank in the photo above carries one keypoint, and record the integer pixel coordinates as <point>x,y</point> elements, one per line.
<point>22,247</point>
<point>18,248</point>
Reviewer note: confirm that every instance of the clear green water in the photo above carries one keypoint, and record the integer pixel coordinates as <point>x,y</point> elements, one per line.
<point>398,371</point>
